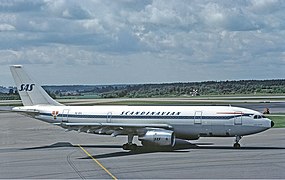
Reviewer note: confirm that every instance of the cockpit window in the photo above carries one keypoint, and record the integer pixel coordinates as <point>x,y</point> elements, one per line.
<point>258,116</point>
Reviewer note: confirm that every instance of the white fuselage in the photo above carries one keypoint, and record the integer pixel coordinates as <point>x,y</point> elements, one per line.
<point>187,122</point>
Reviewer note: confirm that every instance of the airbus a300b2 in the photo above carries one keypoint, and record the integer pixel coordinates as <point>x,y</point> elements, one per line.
<point>154,125</point>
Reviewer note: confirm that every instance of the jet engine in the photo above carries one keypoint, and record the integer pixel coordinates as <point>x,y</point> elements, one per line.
<point>158,137</point>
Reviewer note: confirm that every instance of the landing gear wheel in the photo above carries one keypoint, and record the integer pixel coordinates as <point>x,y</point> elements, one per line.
<point>133,147</point>
<point>125,146</point>
<point>236,145</point>
<point>129,146</point>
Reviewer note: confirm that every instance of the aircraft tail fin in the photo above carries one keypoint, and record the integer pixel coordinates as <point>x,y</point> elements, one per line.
<point>30,92</point>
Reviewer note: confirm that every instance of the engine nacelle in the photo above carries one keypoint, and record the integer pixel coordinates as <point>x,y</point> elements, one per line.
<point>158,137</point>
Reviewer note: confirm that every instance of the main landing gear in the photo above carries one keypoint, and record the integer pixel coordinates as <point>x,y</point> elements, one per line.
<point>130,145</point>
<point>236,144</point>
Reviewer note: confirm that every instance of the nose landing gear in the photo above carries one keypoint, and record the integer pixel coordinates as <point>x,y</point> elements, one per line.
<point>236,144</point>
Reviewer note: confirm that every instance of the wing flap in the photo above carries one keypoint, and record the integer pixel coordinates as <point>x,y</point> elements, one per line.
<point>164,126</point>
<point>113,129</point>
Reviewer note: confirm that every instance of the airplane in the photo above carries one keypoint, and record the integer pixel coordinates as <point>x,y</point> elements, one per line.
<point>155,126</point>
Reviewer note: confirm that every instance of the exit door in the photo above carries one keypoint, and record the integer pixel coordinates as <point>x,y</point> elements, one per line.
<point>65,113</point>
<point>198,117</point>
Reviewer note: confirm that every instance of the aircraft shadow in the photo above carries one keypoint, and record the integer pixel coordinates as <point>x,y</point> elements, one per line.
<point>139,150</point>
<point>179,144</point>
<point>241,148</point>
<point>68,144</point>
<point>55,145</point>
<point>180,147</point>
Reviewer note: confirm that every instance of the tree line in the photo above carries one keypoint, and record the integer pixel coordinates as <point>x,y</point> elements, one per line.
<point>207,88</point>
<point>242,87</point>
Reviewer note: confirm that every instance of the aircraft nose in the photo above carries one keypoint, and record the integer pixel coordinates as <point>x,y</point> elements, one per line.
<point>272,123</point>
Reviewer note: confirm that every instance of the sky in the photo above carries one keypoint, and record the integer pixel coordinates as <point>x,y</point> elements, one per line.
<point>142,41</point>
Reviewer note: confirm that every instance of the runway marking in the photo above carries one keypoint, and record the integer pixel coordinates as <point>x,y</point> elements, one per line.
<point>95,160</point>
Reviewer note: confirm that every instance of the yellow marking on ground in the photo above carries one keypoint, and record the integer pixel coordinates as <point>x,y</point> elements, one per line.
<point>106,170</point>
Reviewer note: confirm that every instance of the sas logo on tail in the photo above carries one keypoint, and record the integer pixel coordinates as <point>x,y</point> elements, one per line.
<point>26,87</point>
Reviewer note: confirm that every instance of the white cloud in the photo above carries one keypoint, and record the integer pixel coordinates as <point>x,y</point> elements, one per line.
<point>7,27</point>
<point>266,6</point>
<point>183,35</point>
<point>38,25</point>
<point>92,25</point>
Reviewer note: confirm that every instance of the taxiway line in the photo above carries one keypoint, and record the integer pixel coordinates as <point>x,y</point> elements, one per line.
<point>97,162</point>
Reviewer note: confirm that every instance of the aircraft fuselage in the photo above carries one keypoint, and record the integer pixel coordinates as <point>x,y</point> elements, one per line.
<point>187,122</point>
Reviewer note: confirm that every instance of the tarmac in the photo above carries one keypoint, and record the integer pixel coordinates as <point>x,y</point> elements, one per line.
<point>31,149</point>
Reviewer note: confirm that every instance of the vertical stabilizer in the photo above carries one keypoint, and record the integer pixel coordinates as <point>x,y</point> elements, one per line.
<point>30,92</point>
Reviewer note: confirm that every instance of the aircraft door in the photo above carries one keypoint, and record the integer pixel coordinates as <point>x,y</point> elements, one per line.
<point>64,115</point>
<point>198,117</point>
<point>109,117</point>
<point>238,119</point>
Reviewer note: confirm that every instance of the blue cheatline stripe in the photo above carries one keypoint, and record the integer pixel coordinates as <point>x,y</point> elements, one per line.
<point>143,117</point>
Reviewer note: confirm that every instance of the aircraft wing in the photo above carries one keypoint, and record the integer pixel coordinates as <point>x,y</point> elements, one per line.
<point>113,129</point>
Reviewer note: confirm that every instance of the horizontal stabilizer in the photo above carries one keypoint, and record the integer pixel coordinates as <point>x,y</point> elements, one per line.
<point>25,111</point>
